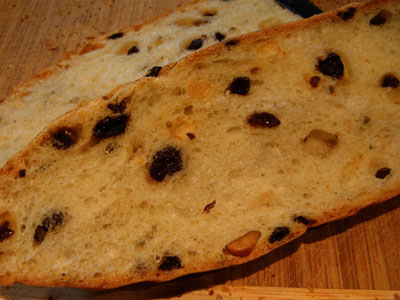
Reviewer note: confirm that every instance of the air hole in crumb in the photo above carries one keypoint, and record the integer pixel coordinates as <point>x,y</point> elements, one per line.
<point>209,12</point>
<point>178,91</point>
<point>136,148</point>
<point>188,110</point>
<point>255,70</point>
<point>128,47</point>
<point>187,22</point>
<point>233,129</point>
<point>97,275</point>
<point>115,36</point>
<point>314,81</point>
<point>269,23</point>
<point>140,245</point>
<point>320,142</point>
<point>143,205</point>
<point>257,82</point>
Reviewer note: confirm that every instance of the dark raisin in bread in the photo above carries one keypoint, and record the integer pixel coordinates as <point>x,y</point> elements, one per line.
<point>226,155</point>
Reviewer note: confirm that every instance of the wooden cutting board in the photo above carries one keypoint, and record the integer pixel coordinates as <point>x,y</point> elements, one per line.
<point>360,252</point>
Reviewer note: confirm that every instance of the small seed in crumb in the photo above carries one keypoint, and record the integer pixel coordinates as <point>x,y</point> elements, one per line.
<point>209,206</point>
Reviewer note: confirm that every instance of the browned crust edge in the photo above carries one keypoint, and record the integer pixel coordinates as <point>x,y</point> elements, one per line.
<point>262,249</point>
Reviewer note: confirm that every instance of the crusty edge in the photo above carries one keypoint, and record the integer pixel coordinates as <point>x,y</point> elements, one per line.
<point>262,248</point>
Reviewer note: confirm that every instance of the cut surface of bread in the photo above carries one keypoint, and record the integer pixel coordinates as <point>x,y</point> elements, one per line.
<point>125,56</point>
<point>332,4</point>
<point>226,155</point>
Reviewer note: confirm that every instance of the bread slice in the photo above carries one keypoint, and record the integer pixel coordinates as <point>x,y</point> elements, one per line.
<point>125,56</point>
<point>332,4</point>
<point>226,155</point>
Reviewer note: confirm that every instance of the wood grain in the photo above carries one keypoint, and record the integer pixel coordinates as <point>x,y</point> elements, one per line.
<point>360,252</point>
<point>190,292</point>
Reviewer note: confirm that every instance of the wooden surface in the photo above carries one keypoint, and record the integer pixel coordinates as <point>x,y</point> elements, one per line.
<point>178,291</point>
<point>360,252</point>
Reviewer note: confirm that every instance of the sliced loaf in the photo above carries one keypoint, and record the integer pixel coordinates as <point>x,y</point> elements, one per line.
<point>226,155</point>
